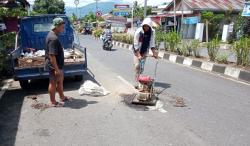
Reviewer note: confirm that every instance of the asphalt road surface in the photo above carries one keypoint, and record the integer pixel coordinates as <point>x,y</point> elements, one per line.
<point>216,112</point>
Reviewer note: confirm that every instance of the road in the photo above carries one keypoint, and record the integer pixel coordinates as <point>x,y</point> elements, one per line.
<point>217,109</point>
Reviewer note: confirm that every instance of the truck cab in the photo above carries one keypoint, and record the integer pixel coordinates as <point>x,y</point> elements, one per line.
<point>28,58</point>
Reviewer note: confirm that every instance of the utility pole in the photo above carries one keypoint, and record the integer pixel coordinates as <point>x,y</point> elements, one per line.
<point>132,23</point>
<point>182,15</point>
<point>174,15</point>
<point>182,10</point>
<point>96,5</point>
<point>145,9</point>
<point>76,3</point>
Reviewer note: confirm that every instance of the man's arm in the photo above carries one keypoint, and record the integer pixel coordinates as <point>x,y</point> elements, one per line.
<point>152,45</point>
<point>52,54</point>
<point>53,62</point>
<point>136,44</point>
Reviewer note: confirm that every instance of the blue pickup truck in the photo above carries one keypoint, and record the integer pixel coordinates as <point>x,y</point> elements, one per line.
<point>28,57</point>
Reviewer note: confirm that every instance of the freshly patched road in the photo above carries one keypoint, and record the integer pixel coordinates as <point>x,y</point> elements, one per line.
<point>217,110</point>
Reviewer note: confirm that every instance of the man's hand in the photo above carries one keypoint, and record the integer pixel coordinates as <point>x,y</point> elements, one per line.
<point>138,55</point>
<point>155,53</point>
<point>55,66</point>
<point>57,73</point>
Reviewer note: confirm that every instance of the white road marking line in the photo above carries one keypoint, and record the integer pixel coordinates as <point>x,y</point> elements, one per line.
<point>125,81</point>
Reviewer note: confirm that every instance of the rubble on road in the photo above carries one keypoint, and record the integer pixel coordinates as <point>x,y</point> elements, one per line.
<point>179,102</point>
<point>33,97</point>
<point>41,106</point>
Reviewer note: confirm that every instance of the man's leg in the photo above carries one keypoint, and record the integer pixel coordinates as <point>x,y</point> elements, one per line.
<point>52,88</point>
<point>137,68</point>
<point>60,86</point>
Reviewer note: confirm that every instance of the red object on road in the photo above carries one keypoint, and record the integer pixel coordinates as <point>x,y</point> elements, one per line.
<point>144,79</point>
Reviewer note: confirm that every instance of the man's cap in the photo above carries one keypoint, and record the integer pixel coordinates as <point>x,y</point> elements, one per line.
<point>56,22</point>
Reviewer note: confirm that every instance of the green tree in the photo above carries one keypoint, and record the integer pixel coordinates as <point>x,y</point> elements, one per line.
<point>246,26</point>
<point>12,12</point>
<point>73,18</point>
<point>49,6</point>
<point>139,11</point>
<point>90,17</point>
<point>228,16</point>
<point>100,19</point>
<point>212,22</point>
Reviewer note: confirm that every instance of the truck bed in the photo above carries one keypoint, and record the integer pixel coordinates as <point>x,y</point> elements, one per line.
<point>37,61</point>
<point>28,58</point>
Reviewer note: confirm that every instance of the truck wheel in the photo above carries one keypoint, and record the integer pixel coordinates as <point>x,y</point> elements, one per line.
<point>24,84</point>
<point>79,78</point>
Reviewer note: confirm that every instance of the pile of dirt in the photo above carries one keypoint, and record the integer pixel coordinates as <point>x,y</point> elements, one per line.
<point>179,102</point>
<point>41,106</point>
<point>36,104</point>
<point>176,101</point>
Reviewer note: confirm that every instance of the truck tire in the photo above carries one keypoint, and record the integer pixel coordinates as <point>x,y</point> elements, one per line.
<point>24,84</point>
<point>78,77</point>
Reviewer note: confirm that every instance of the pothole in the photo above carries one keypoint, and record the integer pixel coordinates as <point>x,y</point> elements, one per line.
<point>127,100</point>
<point>175,101</point>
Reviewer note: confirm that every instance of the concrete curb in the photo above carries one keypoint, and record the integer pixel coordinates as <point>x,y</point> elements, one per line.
<point>5,87</point>
<point>232,72</point>
<point>122,45</point>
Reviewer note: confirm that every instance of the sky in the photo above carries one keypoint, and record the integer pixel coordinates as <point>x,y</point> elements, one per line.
<point>70,3</point>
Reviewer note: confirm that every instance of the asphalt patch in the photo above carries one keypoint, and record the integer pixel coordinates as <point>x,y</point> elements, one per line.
<point>150,102</point>
<point>127,99</point>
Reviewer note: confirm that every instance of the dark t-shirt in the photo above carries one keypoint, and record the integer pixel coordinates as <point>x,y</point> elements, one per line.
<point>145,39</point>
<point>53,47</point>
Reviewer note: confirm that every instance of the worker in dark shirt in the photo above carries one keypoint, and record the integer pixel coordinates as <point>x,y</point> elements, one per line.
<point>144,39</point>
<point>54,62</point>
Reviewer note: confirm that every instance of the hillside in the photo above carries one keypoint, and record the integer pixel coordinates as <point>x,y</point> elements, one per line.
<point>104,7</point>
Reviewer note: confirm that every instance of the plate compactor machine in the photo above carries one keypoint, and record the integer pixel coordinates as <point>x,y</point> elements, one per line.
<point>146,89</point>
